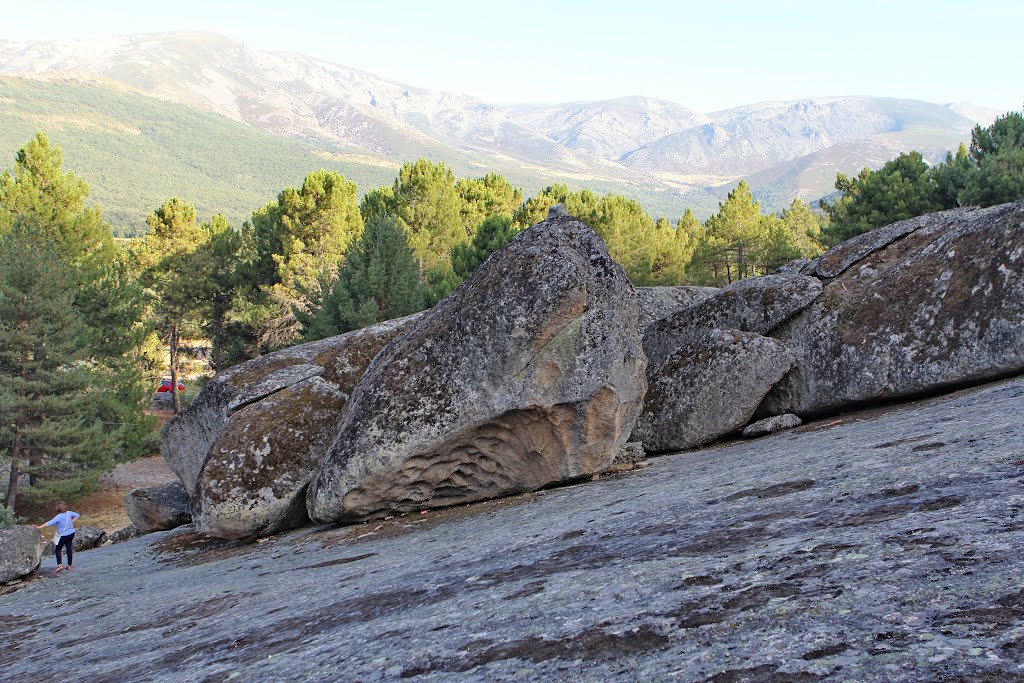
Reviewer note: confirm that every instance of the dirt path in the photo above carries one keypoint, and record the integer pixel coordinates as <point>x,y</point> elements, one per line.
<point>105,508</point>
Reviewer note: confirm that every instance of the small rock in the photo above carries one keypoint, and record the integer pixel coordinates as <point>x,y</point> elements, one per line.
<point>557,211</point>
<point>158,508</point>
<point>123,535</point>
<point>770,425</point>
<point>88,537</point>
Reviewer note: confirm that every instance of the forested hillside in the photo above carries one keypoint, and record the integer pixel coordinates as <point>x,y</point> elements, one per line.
<point>136,150</point>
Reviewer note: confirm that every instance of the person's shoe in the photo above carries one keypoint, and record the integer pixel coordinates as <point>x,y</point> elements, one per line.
<point>67,568</point>
<point>57,570</point>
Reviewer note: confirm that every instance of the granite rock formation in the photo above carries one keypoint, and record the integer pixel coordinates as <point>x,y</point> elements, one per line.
<point>918,306</point>
<point>529,374</point>
<point>190,436</point>
<point>20,551</point>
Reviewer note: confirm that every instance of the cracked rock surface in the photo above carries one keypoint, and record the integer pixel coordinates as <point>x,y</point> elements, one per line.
<point>917,306</point>
<point>879,546</point>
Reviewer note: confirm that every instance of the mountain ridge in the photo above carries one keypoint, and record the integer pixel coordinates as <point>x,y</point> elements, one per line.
<point>658,147</point>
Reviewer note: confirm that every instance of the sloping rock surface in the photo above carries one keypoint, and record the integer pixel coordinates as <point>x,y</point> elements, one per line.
<point>529,374</point>
<point>20,551</point>
<point>158,508</point>
<point>708,388</point>
<point>886,546</point>
<point>190,436</point>
<point>921,305</point>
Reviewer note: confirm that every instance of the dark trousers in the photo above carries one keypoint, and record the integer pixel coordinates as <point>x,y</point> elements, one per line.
<point>65,542</point>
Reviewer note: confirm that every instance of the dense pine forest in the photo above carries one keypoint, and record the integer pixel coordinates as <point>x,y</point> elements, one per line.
<point>89,324</point>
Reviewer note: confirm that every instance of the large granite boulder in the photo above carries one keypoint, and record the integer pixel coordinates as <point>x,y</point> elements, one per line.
<point>158,508</point>
<point>918,306</point>
<point>530,373</point>
<point>254,482</point>
<point>190,436</point>
<point>20,551</point>
<point>658,302</point>
<point>708,388</point>
<point>757,304</point>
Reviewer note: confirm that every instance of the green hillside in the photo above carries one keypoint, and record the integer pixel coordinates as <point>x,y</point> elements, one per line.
<point>137,151</point>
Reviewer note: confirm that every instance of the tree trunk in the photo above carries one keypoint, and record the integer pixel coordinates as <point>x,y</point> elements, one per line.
<point>175,398</point>
<point>12,484</point>
<point>218,334</point>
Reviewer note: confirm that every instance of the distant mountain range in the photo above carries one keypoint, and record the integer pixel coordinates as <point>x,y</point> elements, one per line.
<point>666,155</point>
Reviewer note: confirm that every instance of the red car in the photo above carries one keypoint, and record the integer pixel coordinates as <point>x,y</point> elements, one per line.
<point>165,386</point>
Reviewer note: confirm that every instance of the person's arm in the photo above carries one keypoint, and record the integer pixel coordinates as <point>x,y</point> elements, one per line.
<point>50,523</point>
<point>74,515</point>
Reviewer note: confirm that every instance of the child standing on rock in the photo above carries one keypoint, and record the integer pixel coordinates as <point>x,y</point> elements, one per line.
<point>65,523</point>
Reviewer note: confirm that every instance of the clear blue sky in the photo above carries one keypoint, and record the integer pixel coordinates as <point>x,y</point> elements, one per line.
<point>707,55</point>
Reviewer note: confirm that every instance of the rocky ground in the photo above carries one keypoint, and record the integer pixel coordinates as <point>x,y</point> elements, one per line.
<point>880,546</point>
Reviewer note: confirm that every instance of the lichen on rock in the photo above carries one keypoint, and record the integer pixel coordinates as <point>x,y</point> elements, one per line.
<point>529,374</point>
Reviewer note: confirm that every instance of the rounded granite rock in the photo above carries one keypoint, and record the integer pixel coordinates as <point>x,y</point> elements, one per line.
<point>531,373</point>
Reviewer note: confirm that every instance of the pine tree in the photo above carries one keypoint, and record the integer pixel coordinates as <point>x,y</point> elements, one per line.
<point>803,230</point>
<point>735,236</point>
<point>378,280</point>
<point>491,236</point>
<point>170,272</point>
<point>105,296</point>
<point>902,188</point>
<point>998,154</point>
<point>48,423</point>
<point>215,267</point>
<point>487,197</point>
<point>289,246</point>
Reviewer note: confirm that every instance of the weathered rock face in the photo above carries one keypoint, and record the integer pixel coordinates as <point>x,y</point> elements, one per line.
<point>709,388</point>
<point>254,482</point>
<point>658,302</point>
<point>631,453</point>
<point>757,304</point>
<point>770,425</point>
<point>158,508</point>
<point>528,374</point>
<point>340,361</point>
<point>928,303</point>
<point>20,551</point>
